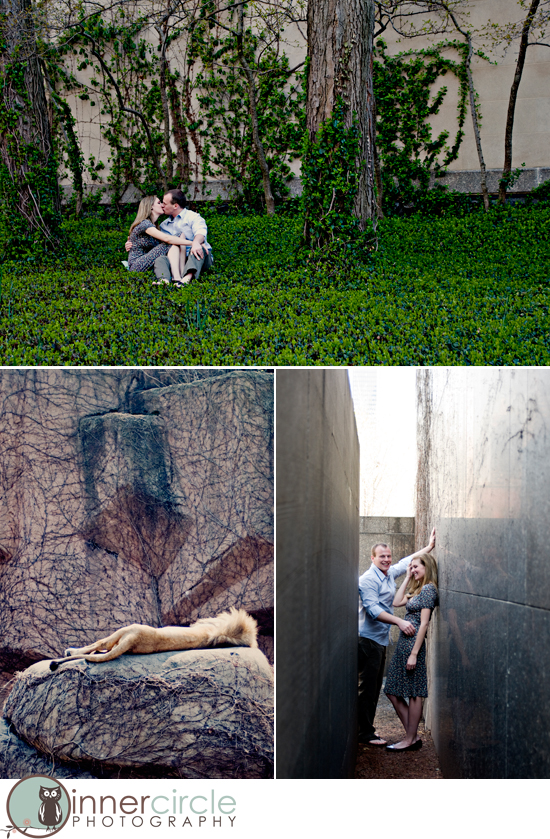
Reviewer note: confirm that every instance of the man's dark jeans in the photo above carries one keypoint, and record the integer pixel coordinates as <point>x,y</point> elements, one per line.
<point>372,657</point>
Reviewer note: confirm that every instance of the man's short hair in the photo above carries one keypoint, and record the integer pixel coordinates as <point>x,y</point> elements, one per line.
<point>378,545</point>
<point>178,197</point>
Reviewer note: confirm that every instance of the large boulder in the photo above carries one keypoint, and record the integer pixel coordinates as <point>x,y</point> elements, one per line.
<point>192,714</point>
<point>18,759</point>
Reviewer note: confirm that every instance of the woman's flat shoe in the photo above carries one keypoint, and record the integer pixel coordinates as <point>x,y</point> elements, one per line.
<point>412,748</point>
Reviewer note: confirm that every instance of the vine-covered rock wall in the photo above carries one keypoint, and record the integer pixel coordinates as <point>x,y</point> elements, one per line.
<point>131,496</point>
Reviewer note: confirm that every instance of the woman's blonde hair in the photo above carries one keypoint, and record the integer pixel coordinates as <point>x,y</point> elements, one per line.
<point>430,575</point>
<point>144,210</point>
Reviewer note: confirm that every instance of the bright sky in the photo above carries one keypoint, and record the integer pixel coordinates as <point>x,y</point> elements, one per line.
<point>385,412</point>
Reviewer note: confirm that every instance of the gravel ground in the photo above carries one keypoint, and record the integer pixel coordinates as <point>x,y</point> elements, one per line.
<point>377,762</point>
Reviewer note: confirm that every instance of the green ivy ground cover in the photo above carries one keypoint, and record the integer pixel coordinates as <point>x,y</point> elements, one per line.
<point>467,290</point>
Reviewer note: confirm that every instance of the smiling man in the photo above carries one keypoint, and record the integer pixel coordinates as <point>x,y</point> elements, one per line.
<point>376,594</point>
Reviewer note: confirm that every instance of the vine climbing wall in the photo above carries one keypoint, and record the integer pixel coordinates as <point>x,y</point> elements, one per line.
<point>131,496</point>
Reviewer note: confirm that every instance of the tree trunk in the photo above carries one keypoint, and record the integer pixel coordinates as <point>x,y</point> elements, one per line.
<point>524,42</point>
<point>74,153</point>
<point>258,145</point>
<point>473,109</point>
<point>179,131</point>
<point>28,168</point>
<point>475,122</point>
<point>163,71</point>
<point>65,122</point>
<point>191,128</point>
<point>340,64</point>
<point>378,172</point>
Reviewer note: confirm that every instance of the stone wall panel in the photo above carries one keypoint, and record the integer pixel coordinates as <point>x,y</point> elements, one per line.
<point>484,481</point>
<point>226,482</point>
<point>317,559</point>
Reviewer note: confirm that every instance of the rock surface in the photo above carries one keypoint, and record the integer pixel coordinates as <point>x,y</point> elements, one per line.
<point>219,437</point>
<point>192,714</point>
<point>18,759</point>
<point>131,496</point>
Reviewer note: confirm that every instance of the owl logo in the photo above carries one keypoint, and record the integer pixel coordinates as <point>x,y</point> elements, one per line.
<point>38,806</point>
<point>49,813</point>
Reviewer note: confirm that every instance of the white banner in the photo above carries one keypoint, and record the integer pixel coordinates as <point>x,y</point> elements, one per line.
<point>288,809</point>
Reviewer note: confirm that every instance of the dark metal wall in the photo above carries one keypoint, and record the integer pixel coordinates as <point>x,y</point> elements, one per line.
<point>317,537</point>
<point>484,481</point>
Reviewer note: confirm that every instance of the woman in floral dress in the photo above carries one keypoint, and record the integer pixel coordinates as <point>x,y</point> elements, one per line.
<point>407,677</point>
<point>148,242</point>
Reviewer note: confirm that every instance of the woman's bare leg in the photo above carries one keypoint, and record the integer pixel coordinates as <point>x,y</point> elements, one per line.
<point>174,256</point>
<point>401,709</point>
<point>415,712</point>
<point>413,720</point>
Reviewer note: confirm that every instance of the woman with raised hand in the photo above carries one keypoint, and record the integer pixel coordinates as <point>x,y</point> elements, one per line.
<point>148,242</point>
<point>407,675</point>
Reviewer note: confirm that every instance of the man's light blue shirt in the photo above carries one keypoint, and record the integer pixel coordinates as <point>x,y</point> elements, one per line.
<point>376,593</point>
<point>186,224</point>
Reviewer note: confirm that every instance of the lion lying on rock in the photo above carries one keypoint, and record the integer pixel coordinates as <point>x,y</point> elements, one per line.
<point>234,628</point>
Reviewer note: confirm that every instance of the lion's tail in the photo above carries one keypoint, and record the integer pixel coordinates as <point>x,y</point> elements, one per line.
<point>235,627</point>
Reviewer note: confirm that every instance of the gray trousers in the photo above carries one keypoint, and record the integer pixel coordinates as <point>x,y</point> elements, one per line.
<point>162,265</point>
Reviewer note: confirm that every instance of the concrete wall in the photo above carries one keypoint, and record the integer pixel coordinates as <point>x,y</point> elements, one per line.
<point>398,533</point>
<point>317,533</point>
<point>492,81</point>
<point>484,480</point>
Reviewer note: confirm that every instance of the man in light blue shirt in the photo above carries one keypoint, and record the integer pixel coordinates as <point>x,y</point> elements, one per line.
<point>187,225</point>
<point>376,594</point>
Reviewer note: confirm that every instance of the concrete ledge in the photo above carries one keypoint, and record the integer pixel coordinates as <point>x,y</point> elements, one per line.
<point>197,191</point>
<point>469,181</point>
<point>461,181</point>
